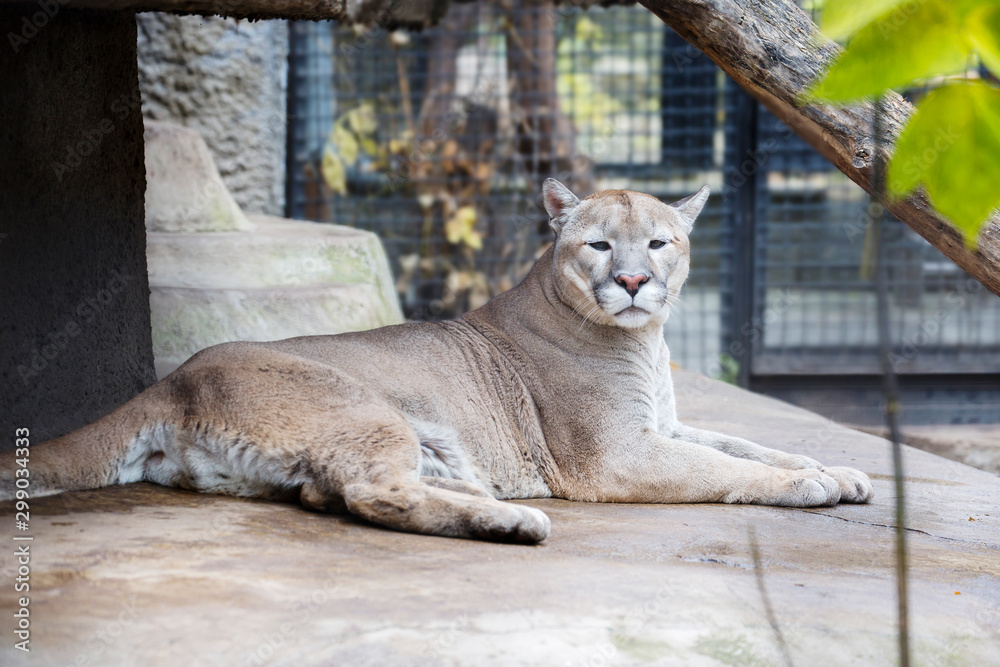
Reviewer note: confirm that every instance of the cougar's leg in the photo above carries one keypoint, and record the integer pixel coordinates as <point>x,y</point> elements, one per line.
<point>421,508</point>
<point>459,485</point>
<point>370,462</point>
<point>855,487</point>
<point>652,468</point>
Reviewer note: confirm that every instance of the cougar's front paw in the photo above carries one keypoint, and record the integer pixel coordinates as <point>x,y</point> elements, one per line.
<point>807,488</point>
<point>855,487</point>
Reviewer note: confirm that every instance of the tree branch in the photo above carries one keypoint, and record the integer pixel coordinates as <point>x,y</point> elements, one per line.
<point>771,49</point>
<point>386,13</point>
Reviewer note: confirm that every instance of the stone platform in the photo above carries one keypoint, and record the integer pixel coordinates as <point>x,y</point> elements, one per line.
<point>284,278</point>
<point>142,575</point>
<point>977,445</point>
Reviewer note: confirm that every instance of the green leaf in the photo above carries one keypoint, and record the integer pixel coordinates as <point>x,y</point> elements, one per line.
<point>951,145</point>
<point>843,18</point>
<point>982,26</point>
<point>921,40</point>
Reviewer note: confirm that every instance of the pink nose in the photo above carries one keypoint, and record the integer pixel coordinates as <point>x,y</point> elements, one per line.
<point>631,283</point>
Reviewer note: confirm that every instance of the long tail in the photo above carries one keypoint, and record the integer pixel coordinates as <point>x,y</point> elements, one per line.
<point>103,453</point>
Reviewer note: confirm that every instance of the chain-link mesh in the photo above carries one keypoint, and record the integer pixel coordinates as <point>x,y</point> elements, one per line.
<point>439,141</point>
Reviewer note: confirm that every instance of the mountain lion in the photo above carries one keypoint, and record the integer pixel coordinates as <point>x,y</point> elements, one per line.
<point>559,388</point>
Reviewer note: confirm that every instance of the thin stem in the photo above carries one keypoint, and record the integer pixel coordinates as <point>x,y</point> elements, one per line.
<point>890,384</point>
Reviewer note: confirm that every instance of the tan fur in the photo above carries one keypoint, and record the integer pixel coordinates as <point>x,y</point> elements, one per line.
<point>560,387</point>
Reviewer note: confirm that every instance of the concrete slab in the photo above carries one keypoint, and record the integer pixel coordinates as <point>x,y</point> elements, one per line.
<point>146,575</point>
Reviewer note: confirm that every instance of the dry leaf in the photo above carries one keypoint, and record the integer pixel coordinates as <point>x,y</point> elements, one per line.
<point>345,143</point>
<point>333,172</point>
<point>460,228</point>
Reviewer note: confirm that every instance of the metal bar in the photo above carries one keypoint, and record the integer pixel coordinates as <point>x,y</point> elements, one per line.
<point>291,127</point>
<point>744,173</point>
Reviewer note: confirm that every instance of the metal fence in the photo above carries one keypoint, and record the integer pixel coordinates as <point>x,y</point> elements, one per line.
<point>438,141</point>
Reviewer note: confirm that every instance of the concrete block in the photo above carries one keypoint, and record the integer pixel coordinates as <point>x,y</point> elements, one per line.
<point>184,192</point>
<point>216,276</point>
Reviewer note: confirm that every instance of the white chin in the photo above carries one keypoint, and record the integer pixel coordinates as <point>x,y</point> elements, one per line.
<point>632,318</point>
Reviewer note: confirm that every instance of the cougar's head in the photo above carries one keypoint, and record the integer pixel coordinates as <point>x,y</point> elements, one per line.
<point>620,256</point>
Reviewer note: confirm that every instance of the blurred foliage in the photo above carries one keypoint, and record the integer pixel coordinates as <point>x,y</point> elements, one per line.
<point>598,72</point>
<point>353,132</point>
<point>951,144</point>
<point>461,228</point>
<point>588,104</point>
<point>443,157</point>
<point>729,369</point>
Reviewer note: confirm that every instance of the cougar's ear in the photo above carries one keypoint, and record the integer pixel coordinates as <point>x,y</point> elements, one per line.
<point>559,201</point>
<point>690,207</point>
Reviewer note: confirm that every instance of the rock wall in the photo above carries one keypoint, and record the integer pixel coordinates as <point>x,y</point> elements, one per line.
<point>228,80</point>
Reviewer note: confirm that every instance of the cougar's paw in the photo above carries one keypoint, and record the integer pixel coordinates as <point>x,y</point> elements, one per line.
<point>313,498</point>
<point>807,488</point>
<point>855,487</point>
<point>504,522</point>
<point>533,527</point>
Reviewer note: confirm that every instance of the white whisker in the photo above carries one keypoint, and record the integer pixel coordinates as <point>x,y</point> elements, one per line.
<point>587,322</point>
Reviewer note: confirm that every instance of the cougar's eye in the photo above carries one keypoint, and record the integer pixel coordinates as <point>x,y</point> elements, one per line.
<point>600,245</point>
<point>657,244</point>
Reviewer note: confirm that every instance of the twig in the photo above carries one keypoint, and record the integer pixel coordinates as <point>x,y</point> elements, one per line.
<point>404,92</point>
<point>516,37</point>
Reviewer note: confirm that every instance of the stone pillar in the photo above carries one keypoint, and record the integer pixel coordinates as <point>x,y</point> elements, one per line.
<point>75,329</point>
